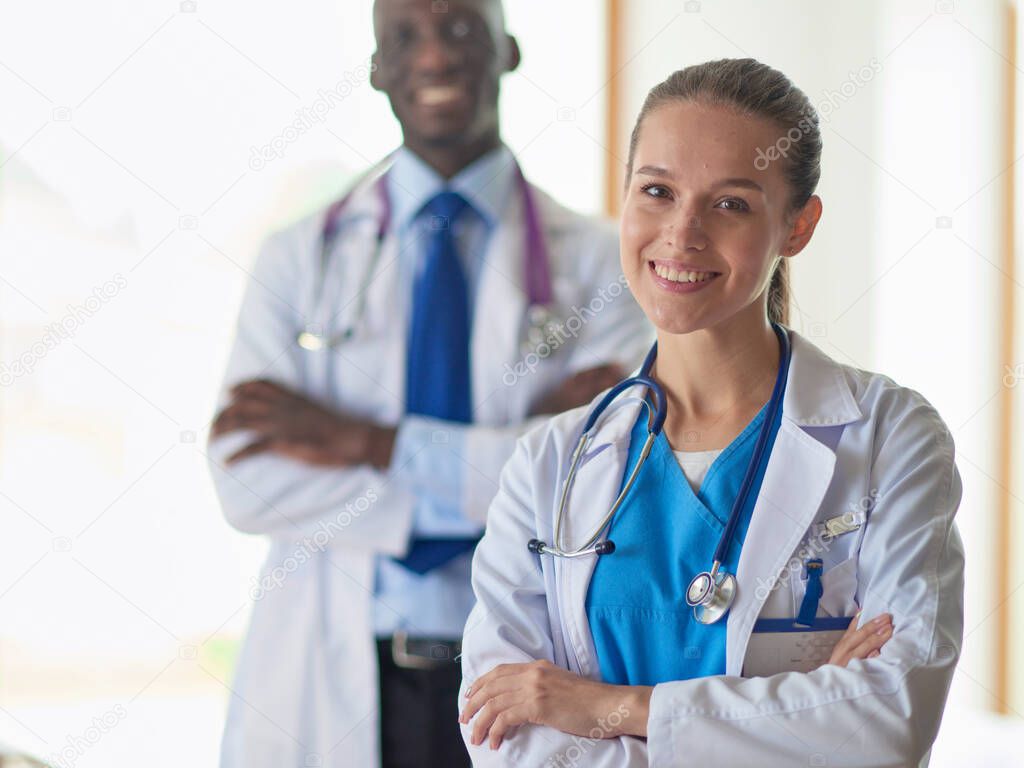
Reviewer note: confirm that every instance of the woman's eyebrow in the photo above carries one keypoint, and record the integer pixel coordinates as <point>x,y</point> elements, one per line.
<point>653,170</point>
<point>740,181</point>
<point>735,181</point>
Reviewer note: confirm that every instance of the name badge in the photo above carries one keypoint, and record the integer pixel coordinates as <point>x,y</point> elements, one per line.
<point>783,645</point>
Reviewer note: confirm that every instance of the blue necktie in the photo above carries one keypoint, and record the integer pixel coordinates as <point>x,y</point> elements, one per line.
<point>437,370</point>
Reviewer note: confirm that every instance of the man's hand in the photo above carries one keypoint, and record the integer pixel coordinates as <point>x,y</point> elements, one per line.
<point>579,389</point>
<point>291,425</point>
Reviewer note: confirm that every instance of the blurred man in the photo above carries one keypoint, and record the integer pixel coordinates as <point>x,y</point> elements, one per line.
<point>389,352</point>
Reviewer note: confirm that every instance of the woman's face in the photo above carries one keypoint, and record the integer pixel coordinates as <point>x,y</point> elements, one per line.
<point>702,227</point>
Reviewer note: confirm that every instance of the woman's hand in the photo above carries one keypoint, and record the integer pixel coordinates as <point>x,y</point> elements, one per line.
<point>540,693</point>
<point>863,643</point>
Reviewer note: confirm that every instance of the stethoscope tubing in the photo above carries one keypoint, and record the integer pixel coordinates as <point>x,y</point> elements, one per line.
<point>722,550</point>
<point>537,264</point>
<point>656,422</point>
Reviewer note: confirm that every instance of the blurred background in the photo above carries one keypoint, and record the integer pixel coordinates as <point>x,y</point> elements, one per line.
<point>147,147</point>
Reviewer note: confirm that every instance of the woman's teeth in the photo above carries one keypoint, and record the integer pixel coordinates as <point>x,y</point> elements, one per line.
<point>668,273</point>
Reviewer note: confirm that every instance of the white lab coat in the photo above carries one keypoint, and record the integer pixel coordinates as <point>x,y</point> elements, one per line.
<point>305,690</point>
<point>849,440</point>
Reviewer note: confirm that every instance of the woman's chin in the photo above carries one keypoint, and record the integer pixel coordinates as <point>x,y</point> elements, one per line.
<point>671,320</point>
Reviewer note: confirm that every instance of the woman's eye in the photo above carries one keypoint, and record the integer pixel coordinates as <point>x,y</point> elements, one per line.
<point>655,190</point>
<point>734,204</point>
<point>459,30</point>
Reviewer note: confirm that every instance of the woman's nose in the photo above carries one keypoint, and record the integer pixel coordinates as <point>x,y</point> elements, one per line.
<point>687,232</point>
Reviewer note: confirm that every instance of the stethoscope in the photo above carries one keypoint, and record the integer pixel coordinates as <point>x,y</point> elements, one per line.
<point>710,593</point>
<point>540,319</point>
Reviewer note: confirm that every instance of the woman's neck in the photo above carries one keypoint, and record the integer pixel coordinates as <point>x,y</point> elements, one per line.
<point>716,379</point>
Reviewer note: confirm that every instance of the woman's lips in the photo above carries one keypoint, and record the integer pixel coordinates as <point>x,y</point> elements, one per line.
<point>671,278</point>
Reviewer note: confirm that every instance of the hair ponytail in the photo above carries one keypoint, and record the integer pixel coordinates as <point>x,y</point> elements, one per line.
<point>778,294</point>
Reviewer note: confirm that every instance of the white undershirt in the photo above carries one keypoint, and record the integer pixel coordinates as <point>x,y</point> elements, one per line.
<point>695,465</point>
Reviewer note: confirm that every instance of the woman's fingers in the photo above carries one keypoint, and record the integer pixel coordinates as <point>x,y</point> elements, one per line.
<point>860,643</point>
<point>493,684</point>
<point>504,722</point>
<point>487,715</point>
<point>872,642</point>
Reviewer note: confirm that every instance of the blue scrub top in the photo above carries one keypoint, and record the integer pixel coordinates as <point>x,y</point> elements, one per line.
<point>644,632</point>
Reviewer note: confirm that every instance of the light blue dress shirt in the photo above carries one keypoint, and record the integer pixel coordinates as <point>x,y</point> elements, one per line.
<point>437,603</point>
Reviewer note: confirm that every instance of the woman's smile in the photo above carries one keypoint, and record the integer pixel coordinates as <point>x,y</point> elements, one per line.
<point>678,277</point>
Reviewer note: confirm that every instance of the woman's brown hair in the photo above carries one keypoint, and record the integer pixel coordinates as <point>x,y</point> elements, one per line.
<point>754,89</point>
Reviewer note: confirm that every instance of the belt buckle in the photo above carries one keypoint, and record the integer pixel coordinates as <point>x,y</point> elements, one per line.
<point>402,658</point>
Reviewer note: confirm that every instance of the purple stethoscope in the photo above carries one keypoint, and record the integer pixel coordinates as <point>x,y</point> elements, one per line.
<point>539,316</point>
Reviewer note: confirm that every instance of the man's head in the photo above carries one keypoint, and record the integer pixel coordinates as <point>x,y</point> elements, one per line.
<point>440,62</point>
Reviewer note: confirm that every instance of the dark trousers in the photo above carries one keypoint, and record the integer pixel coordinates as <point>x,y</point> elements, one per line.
<point>419,711</point>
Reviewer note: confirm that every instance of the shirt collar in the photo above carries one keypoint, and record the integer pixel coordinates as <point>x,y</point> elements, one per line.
<point>485,183</point>
<point>818,392</point>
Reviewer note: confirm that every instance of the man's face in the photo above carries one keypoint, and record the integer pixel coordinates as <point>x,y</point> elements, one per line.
<point>440,64</point>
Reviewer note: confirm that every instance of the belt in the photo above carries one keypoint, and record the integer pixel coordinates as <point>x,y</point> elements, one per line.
<point>421,652</point>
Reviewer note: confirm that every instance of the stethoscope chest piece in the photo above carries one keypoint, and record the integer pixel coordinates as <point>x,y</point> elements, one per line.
<point>541,328</point>
<point>711,594</point>
<point>311,341</point>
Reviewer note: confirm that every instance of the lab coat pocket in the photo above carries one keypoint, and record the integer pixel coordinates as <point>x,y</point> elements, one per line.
<point>839,590</point>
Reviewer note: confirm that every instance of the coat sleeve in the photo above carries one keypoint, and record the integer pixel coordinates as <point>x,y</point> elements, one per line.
<point>269,494</point>
<point>510,624</point>
<point>878,712</point>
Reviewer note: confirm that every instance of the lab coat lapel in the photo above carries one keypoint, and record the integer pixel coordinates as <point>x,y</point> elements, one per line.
<point>498,316</point>
<point>796,479</point>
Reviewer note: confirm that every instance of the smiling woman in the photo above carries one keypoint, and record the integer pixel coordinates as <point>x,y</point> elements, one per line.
<point>692,96</point>
<point>559,643</point>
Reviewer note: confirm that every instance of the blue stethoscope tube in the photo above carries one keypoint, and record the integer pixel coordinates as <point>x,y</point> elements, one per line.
<point>710,593</point>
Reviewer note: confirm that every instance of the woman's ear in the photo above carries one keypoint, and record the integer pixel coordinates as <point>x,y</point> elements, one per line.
<point>802,227</point>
